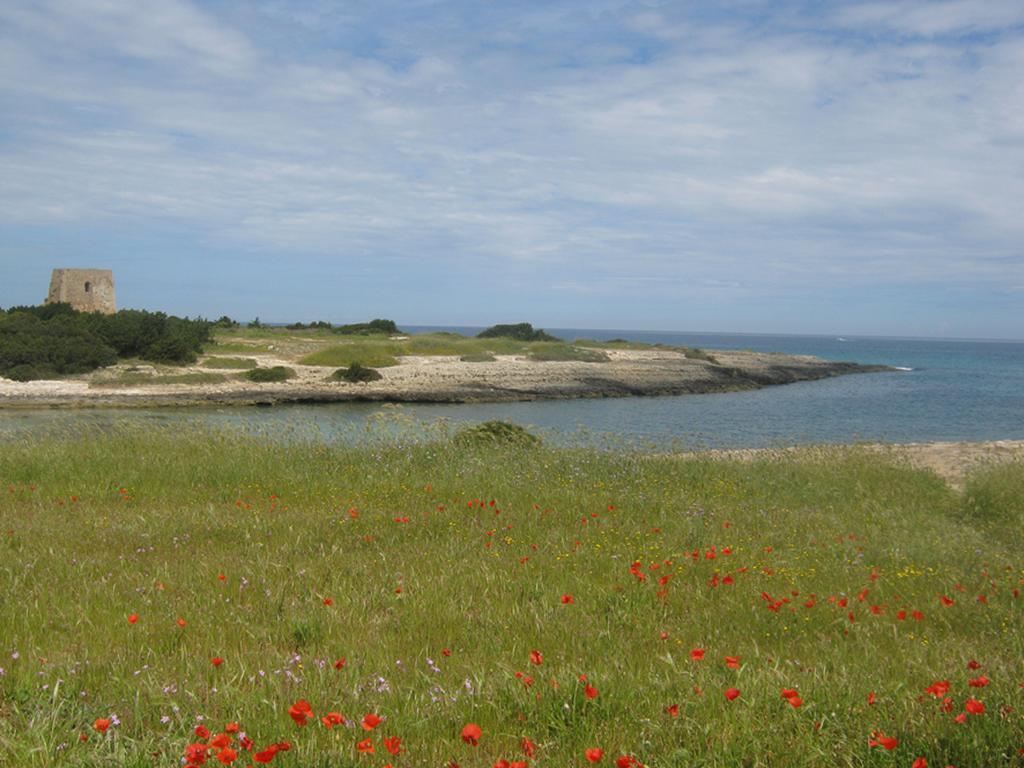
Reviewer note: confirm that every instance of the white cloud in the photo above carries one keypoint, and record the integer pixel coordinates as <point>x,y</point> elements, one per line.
<point>754,160</point>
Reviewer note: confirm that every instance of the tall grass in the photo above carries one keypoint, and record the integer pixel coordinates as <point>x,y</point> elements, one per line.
<point>419,548</point>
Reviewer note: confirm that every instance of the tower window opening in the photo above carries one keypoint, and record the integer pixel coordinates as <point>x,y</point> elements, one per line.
<point>88,287</point>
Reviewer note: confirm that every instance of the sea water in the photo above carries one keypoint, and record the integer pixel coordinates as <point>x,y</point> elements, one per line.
<point>946,390</point>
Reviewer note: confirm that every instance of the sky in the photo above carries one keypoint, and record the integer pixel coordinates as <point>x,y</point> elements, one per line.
<point>737,166</point>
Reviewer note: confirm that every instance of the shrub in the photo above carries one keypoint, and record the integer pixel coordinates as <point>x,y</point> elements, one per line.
<point>225,322</point>
<point>357,373</point>
<point>518,331</point>
<point>309,326</point>
<point>366,329</point>
<point>497,433</point>
<point>483,357</point>
<point>35,348</point>
<point>263,375</point>
<point>695,353</point>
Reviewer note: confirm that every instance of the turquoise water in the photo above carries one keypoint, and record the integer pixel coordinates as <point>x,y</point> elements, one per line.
<point>955,390</point>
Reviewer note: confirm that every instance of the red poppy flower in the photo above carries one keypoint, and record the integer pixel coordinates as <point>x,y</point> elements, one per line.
<point>593,754</point>
<point>697,654</point>
<point>628,761</point>
<point>371,721</point>
<point>947,601</point>
<point>871,699</point>
<point>340,663</point>
<point>101,724</point>
<point>938,689</point>
<point>133,618</point>
<point>202,732</point>
<point>365,747</point>
<point>672,710</point>
<point>266,755</point>
<point>227,756</point>
<point>529,748</point>
<point>393,745</point>
<point>732,662</point>
<point>300,712</point>
<point>232,728</point>
<point>978,682</point>
<point>591,692</point>
<point>195,754</point>
<point>180,622</point>
<point>471,734</point>
<point>919,763</point>
<point>567,600</point>
<point>332,719</point>
<point>536,658</point>
<point>974,707</point>
<point>973,665</point>
<point>881,740</point>
<point>216,661</point>
<point>732,694</point>
<point>220,741</point>
<point>789,693</point>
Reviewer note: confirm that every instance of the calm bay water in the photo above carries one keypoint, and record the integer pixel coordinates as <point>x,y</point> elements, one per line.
<point>955,390</point>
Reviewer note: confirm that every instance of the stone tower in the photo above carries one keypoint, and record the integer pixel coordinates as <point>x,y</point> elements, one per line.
<point>87,290</point>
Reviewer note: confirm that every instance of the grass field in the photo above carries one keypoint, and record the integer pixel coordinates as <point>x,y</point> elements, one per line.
<point>577,607</point>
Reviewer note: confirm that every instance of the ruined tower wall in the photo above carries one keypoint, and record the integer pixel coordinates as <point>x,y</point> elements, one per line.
<point>87,290</point>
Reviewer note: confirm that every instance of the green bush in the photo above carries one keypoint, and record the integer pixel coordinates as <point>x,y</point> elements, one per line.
<point>263,375</point>
<point>497,433</point>
<point>517,331</point>
<point>356,374</point>
<point>482,357</point>
<point>53,339</point>
<point>366,329</point>
<point>696,353</point>
<point>309,326</point>
<point>32,347</point>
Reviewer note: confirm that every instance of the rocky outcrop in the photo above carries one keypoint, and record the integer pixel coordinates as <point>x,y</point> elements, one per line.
<point>627,373</point>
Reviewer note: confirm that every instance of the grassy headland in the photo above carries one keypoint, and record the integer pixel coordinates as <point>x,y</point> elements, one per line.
<point>169,580</point>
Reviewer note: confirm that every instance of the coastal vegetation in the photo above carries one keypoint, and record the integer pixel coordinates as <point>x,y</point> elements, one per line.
<point>357,373</point>
<point>218,597</point>
<point>517,331</point>
<point>52,340</point>
<point>271,374</point>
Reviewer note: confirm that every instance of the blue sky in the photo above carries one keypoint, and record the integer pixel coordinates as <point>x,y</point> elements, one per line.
<point>803,167</point>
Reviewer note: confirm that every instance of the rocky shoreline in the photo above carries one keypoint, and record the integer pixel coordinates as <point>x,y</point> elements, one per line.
<point>627,373</point>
